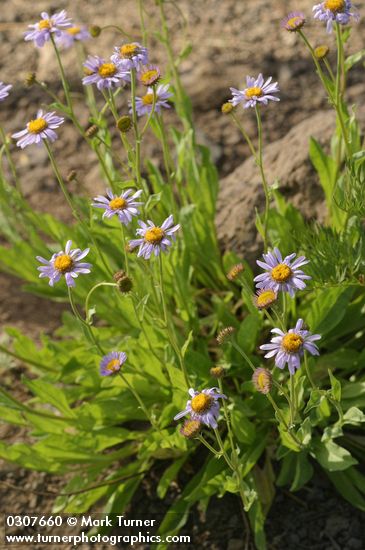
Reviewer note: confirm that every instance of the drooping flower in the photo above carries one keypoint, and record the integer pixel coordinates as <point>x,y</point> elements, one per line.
<point>294,21</point>
<point>262,380</point>
<point>154,239</point>
<point>148,76</point>
<point>4,90</point>
<point>41,32</point>
<point>132,55</point>
<point>203,406</point>
<point>66,262</point>
<point>265,298</point>
<point>124,206</point>
<point>68,37</point>
<point>41,127</point>
<point>105,74</point>
<point>257,91</point>
<point>144,104</point>
<point>289,347</point>
<point>282,274</point>
<point>112,363</point>
<point>335,11</point>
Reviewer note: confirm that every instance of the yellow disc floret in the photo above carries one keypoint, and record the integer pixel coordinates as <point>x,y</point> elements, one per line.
<point>154,235</point>
<point>63,263</point>
<point>255,91</point>
<point>262,380</point>
<point>113,365</point>
<point>335,6</point>
<point>292,342</point>
<point>44,24</point>
<point>281,273</point>
<point>107,69</point>
<point>294,22</point>
<point>149,77</point>
<point>147,99</point>
<point>128,50</point>
<point>201,403</point>
<point>265,298</point>
<point>118,203</point>
<point>37,125</point>
<point>73,31</point>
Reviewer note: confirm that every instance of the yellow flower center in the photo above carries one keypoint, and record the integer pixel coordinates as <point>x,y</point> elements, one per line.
<point>335,5</point>
<point>292,342</point>
<point>154,235</point>
<point>37,125</point>
<point>255,91</point>
<point>63,263</point>
<point>73,31</point>
<point>118,203</point>
<point>261,380</point>
<point>281,273</point>
<point>201,403</point>
<point>265,298</point>
<point>107,69</point>
<point>44,24</point>
<point>149,77</point>
<point>147,99</point>
<point>292,23</point>
<point>128,50</point>
<point>113,365</point>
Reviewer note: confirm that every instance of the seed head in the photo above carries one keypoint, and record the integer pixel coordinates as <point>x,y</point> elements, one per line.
<point>262,380</point>
<point>235,271</point>
<point>124,124</point>
<point>95,31</point>
<point>125,283</point>
<point>224,335</point>
<point>217,372</point>
<point>191,428</point>
<point>92,131</point>
<point>265,298</point>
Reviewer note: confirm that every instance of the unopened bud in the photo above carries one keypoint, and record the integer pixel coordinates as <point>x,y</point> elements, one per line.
<point>217,372</point>
<point>124,123</point>
<point>125,283</point>
<point>95,31</point>
<point>30,79</point>
<point>91,131</point>
<point>227,108</point>
<point>71,176</point>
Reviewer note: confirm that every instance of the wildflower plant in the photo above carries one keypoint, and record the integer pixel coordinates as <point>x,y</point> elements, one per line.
<point>194,323</point>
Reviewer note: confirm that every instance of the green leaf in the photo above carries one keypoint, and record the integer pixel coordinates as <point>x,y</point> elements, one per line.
<point>243,429</point>
<point>332,457</point>
<point>353,416</point>
<point>169,475</point>
<point>353,59</point>
<point>248,332</point>
<point>328,308</point>
<point>336,386</point>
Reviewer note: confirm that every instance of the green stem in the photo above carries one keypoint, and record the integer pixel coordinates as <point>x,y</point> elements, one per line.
<point>245,135</point>
<point>91,291</point>
<point>208,446</point>
<point>308,372</point>
<point>285,424</point>
<point>292,400</point>
<point>259,160</point>
<point>11,163</point>
<point>137,160</point>
<point>61,182</point>
<point>140,402</point>
<point>244,355</point>
<point>83,322</point>
<point>221,446</point>
<point>63,76</point>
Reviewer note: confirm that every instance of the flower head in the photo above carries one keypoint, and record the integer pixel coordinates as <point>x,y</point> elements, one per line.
<point>132,55</point>
<point>262,380</point>
<point>191,428</point>
<point>154,239</point>
<point>203,406</point>
<point>217,372</point>
<point>294,21</point>
<point>124,283</point>
<point>224,335</point>
<point>4,90</point>
<point>257,91</point>
<point>335,11</point>
<point>321,51</point>
<point>265,298</point>
<point>41,127</point>
<point>289,347</point>
<point>68,37</point>
<point>66,262</point>
<point>234,272</point>
<point>282,274</point>
<point>112,363</point>
<point>148,76</point>
<point>124,206</point>
<point>144,104</point>
<point>41,32</point>
<point>105,74</point>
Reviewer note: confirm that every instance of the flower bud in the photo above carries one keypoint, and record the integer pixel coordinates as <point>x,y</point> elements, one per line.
<point>321,51</point>
<point>125,283</point>
<point>227,108</point>
<point>224,335</point>
<point>217,372</point>
<point>235,271</point>
<point>95,31</point>
<point>30,79</point>
<point>124,124</point>
<point>262,380</point>
<point>91,131</point>
<point>191,428</point>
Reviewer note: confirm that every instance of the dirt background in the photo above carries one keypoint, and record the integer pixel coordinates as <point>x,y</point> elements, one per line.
<point>230,39</point>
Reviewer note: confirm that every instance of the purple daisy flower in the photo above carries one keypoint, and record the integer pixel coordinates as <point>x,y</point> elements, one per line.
<point>39,128</point>
<point>257,91</point>
<point>335,11</point>
<point>150,75</point>
<point>144,103</point>
<point>112,363</point>
<point>282,274</point>
<point>203,406</point>
<point>65,263</point>
<point>289,347</point>
<point>132,55</point>
<point>67,38</point>
<point>124,205</point>
<point>41,32</point>
<point>104,74</point>
<point>4,90</point>
<point>154,238</point>
<point>294,21</point>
